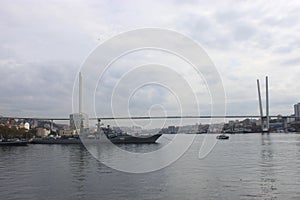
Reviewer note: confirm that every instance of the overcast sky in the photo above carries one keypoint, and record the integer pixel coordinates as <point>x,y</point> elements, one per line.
<point>44,43</point>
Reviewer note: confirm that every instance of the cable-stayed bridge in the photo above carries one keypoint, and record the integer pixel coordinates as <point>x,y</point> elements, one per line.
<point>265,120</point>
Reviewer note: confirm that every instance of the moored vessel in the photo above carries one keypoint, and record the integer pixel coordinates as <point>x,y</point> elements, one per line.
<point>13,142</point>
<point>125,138</point>
<point>56,140</point>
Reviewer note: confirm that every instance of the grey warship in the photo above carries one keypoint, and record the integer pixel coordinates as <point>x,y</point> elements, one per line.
<point>125,138</point>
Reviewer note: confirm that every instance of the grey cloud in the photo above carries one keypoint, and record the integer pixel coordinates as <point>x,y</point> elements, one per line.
<point>291,61</point>
<point>283,22</point>
<point>36,32</point>
<point>46,43</point>
<point>36,87</point>
<point>243,31</point>
<point>228,16</point>
<point>205,31</point>
<point>288,45</point>
<point>284,49</point>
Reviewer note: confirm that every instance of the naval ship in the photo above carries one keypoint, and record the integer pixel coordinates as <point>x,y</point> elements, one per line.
<point>125,138</point>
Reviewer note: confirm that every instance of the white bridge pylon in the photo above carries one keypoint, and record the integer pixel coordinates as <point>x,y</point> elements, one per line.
<point>265,120</point>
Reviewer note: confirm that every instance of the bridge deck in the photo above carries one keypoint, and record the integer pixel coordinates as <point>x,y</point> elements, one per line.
<point>150,117</point>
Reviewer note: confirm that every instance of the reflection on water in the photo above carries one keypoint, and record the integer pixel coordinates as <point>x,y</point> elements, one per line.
<point>78,162</point>
<point>268,178</point>
<point>249,166</point>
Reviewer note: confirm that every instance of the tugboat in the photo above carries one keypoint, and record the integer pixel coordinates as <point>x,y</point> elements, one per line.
<point>222,137</point>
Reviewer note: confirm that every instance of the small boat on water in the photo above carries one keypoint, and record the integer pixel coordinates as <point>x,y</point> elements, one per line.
<point>222,137</point>
<point>13,142</point>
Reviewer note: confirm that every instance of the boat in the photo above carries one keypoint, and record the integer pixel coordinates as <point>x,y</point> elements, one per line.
<point>56,140</point>
<point>125,138</point>
<point>265,130</point>
<point>64,140</point>
<point>13,142</point>
<point>223,137</point>
<point>129,139</point>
